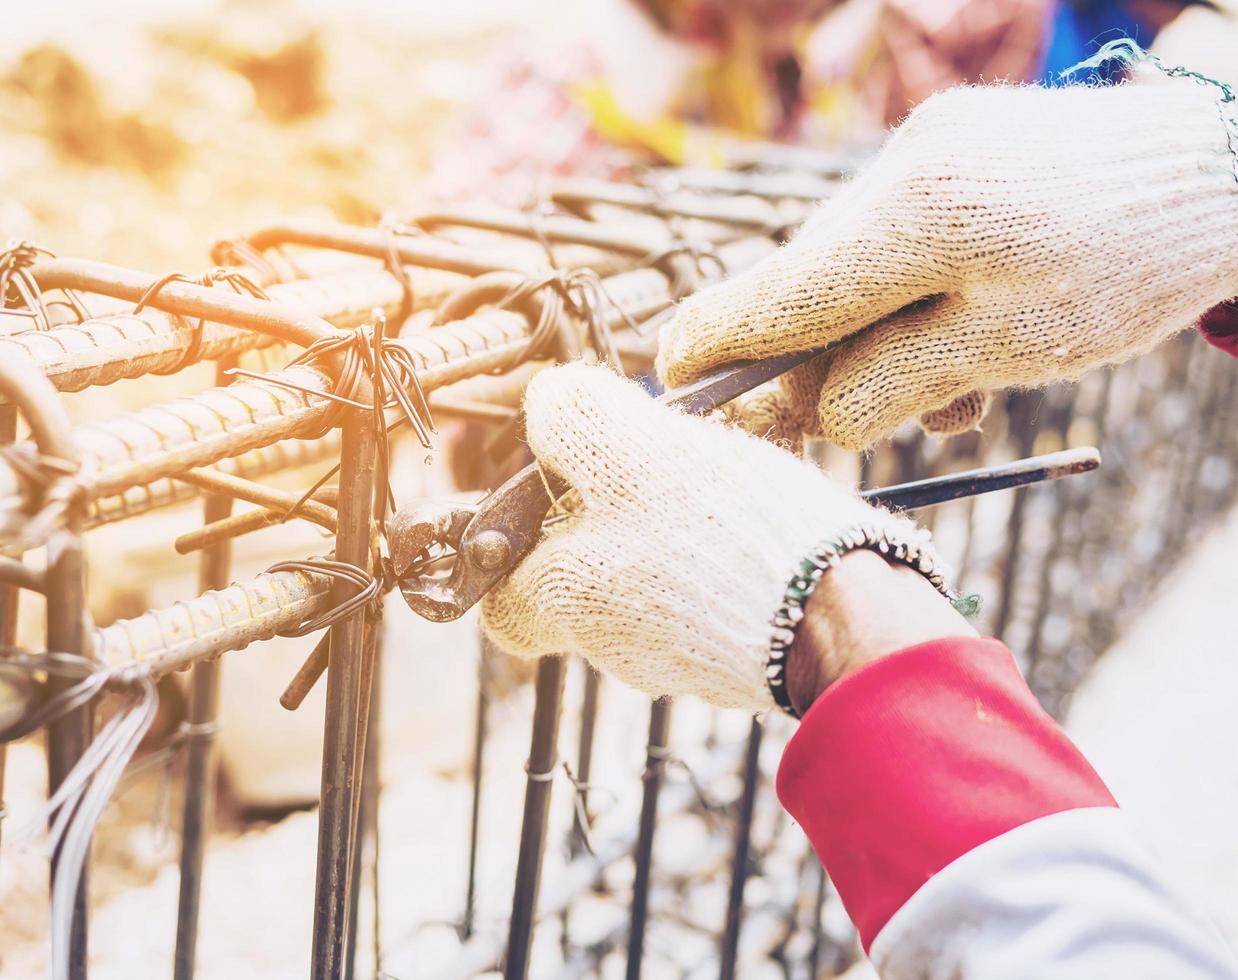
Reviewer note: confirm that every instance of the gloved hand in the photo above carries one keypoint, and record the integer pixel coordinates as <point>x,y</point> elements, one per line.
<point>1003,237</point>
<point>688,534</point>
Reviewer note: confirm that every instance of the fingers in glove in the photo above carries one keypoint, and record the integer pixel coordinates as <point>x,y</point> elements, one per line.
<point>911,364</point>
<point>521,614</point>
<point>842,273</point>
<point>964,414</point>
<point>597,430</point>
<point>784,410</point>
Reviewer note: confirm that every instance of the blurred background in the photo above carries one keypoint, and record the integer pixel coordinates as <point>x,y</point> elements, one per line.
<point>142,131</point>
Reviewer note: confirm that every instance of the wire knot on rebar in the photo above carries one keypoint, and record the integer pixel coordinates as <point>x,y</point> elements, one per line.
<point>58,493</point>
<point>368,356</point>
<point>220,275</point>
<point>240,252</point>
<point>368,594</point>
<point>702,265</point>
<point>20,292</point>
<point>579,292</point>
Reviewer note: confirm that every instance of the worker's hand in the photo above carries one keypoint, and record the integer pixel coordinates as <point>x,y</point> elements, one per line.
<point>687,536</point>
<point>1004,236</point>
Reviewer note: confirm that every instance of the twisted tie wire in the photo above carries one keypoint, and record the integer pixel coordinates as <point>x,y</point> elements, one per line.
<point>218,276</point>
<point>71,814</point>
<point>369,590</point>
<point>55,483</point>
<point>19,286</point>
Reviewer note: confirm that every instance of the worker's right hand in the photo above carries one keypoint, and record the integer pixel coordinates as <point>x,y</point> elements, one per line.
<point>1004,236</point>
<point>680,547</point>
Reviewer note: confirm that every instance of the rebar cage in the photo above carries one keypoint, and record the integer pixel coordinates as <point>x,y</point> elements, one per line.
<point>394,316</point>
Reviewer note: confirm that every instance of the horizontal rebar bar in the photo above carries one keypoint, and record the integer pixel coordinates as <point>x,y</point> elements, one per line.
<point>111,348</point>
<point>215,622</point>
<point>290,454</point>
<point>199,430</point>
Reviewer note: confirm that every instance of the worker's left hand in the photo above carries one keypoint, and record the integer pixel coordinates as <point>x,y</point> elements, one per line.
<point>687,535</point>
<point>1004,236</point>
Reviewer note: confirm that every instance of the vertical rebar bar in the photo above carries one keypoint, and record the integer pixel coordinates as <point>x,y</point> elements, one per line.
<point>485,658</point>
<point>214,572</point>
<point>818,907</point>
<point>68,737</point>
<point>578,839</point>
<point>739,863</point>
<point>584,757</point>
<point>543,756</point>
<point>348,675</point>
<point>9,595</point>
<point>367,827</point>
<point>1021,409</point>
<point>655,769</point>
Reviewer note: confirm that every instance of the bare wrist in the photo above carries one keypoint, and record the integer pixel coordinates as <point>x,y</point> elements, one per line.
<point>863,610</point>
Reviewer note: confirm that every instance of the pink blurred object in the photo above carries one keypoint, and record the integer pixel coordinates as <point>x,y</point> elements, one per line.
<point>896,53</point>
<point>529,127</point>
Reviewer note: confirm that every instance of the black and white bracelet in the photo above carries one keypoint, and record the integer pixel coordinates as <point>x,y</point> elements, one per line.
<point>790,613</point>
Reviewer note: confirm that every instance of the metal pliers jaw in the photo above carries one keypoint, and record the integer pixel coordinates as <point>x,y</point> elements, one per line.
<point>412,533</point>
<point>488,539</point>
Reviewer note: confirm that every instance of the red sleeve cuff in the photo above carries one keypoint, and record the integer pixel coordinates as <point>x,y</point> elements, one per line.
<point>1219,326</point>
<point>912,761</point>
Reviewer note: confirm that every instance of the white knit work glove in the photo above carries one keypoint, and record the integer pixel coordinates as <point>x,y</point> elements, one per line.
<point>1003,237</point>
<point>688,535</point>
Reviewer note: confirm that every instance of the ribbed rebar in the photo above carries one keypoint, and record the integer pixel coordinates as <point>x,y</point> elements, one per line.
<point>290,454</point>
<point>215,622</point>
<point>107,349</point>
<point>142,447</point>
<point>199,430</point>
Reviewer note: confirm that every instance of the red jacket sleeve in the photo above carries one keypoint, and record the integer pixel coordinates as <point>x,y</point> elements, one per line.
<point>1219,326</point>
<point>969,838</point>
<point>905,765</point>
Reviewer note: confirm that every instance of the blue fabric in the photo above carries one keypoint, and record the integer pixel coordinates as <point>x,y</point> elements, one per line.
<point>1077,31</point>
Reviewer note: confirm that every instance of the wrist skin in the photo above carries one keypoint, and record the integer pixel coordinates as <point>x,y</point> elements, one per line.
<point>861,611</point>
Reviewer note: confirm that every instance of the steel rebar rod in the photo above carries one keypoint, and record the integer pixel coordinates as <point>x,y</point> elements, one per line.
<point>744,212</point>
<point>348,699</point>
<point>817,930</point>
<point>743,842</point>
<point>26,388</point>
<point>485,668</point>
<point>286,323</point>
<point>216,622</point>
<point>214,572</point>
<point>413,250</point>
<point>229,485</point>
<point>68,737</point>
<point>655,770</point>
<point>110,348</point>
<point>367,811</point>
<point>584,756</point>
<point>199,430</point>
<point>9,595</point>
<point>771,186</point>
<point>543,758</point>
<point>290,454</point>
<point>16,575</point>
<point>633,240</point>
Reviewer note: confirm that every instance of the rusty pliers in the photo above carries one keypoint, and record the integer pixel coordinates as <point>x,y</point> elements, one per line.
<point>487,540</point>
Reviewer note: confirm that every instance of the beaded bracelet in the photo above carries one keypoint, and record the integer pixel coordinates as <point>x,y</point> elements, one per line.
<point>917,555</point>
